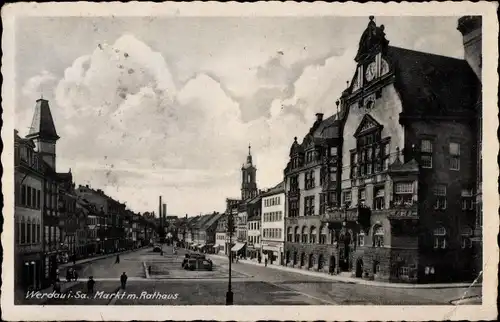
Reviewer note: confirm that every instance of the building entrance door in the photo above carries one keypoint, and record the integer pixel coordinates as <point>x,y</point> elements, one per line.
<point>344,252</point>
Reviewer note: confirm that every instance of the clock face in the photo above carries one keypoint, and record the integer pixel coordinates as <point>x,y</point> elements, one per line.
<point>370,72</point>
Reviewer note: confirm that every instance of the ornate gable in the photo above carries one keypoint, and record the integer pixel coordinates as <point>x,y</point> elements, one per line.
<point>367,124</point>
<point>308,141</point>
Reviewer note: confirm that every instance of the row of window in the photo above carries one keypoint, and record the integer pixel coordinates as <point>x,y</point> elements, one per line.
<point>309,206</point>
<point>370,156</point>
<point>426,151</point>
<point>274,201</point>
<point>404,195</point>
<point>274,233</point>
<point>254,239</point>
<point>30,197</point>
<point>273,216</point>
<point>27,232</point>
<point>310,180</point>
<point>311,156</point>
<point>254,225</point>
<point>440,237</point>
<point>52,234</point>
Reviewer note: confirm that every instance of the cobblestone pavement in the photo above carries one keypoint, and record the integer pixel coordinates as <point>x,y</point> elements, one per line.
<point>252,285</point>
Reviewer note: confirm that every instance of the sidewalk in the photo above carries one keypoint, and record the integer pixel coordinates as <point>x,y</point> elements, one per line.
<point>20,295</point>
<point>351,279</point>
<point>95,258</point>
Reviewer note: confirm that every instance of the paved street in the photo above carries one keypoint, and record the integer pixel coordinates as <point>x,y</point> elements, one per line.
<point>169,284</point>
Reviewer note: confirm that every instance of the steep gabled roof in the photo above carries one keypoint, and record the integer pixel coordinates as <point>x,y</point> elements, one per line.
<point>42,124</point>
<point>213,218</point>
<point>279,188</point>
<point>434,84</point>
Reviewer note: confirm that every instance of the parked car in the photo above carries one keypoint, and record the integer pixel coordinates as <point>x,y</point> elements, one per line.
<point>192,256</point>
<point>198,264</point>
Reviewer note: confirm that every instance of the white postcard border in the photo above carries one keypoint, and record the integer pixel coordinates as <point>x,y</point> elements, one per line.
<point>357,313</point>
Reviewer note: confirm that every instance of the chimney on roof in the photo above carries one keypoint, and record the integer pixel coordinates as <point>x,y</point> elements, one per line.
<point>319,117</point>
<point>87,186</point>
<point>471,29</point>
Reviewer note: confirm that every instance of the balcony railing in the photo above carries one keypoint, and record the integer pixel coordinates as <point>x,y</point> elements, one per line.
<point>339,215</point>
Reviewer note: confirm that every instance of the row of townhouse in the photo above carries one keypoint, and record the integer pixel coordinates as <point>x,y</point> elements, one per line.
<point>389,186</point>
<point>53,220</point>
<point>199,232</point>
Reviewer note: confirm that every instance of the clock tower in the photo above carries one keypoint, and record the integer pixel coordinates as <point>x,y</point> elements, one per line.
<point>248,178</point>
<point>371,57</point>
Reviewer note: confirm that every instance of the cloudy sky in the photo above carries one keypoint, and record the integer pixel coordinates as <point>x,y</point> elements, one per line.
<point>147,107</point>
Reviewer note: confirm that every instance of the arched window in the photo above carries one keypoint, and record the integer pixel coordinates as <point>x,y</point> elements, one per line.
<point>361,238</point>
<point>466,237</point>
<point>378,236</point>
<point>440,238</point>
<point>296,233</point>
<point>304,235</point>
<point>323,233</point>
<point>289,234</point>
<point>312,235</point>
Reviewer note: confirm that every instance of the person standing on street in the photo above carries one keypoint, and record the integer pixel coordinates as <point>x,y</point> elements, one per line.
<point>265,259</point>
<point>57,286</point>
<point>117,259</point>
<point>90,285</point>
<point>123,280</point>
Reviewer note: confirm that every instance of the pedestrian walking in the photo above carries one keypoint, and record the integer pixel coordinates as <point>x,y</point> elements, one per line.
<point>123,280</point>
<point>117,259</point>
<point>265,260</point>
<point>69,274</point>
<point>90,285</point>
<point>57,286</point>
<point>75,275</point>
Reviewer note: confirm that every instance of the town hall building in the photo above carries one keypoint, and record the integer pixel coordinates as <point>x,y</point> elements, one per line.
<point>408,153</point>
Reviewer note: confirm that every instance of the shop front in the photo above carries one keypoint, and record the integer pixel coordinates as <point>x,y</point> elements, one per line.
<point>239,249</point>
<point>30,269</point>
<point>253,251</point>
<point>274,252</point>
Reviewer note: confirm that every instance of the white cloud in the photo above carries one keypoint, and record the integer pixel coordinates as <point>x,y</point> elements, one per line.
<point>127,126</point>
<point>35,86</point>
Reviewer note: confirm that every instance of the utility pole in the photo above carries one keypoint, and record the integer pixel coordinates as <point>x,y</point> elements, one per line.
<point>230,227</point>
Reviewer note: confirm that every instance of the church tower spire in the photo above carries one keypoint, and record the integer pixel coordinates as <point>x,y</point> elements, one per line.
<point>43,132</point>
<point>248,177</point>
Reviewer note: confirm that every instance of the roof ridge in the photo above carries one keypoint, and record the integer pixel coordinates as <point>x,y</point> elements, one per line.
<point>428,54</point>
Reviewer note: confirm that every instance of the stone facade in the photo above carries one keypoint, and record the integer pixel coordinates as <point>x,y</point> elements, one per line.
<point>408,160</point>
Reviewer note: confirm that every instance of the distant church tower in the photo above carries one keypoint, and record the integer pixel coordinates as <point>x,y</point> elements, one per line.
<point>43,132</point>
<point>248,178</point>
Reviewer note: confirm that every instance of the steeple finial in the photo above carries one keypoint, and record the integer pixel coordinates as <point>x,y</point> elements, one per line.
<point>249,149</point>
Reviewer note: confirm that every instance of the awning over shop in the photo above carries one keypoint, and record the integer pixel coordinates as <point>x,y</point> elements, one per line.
<point>194,245</point>
<point>237,247</point>
<point>200,246</point>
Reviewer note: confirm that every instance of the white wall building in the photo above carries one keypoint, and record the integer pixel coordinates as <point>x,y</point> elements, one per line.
<point>273,224</point>
<point>254,237</point>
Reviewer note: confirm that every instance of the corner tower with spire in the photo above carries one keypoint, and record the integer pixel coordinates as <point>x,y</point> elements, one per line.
<point>248,178</point>
<point>43,133</point>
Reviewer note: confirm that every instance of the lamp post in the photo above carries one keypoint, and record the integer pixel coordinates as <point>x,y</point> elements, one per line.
<point>230,226</point>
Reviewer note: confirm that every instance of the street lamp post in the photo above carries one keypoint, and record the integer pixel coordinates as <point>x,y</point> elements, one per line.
<point>229,294</point>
